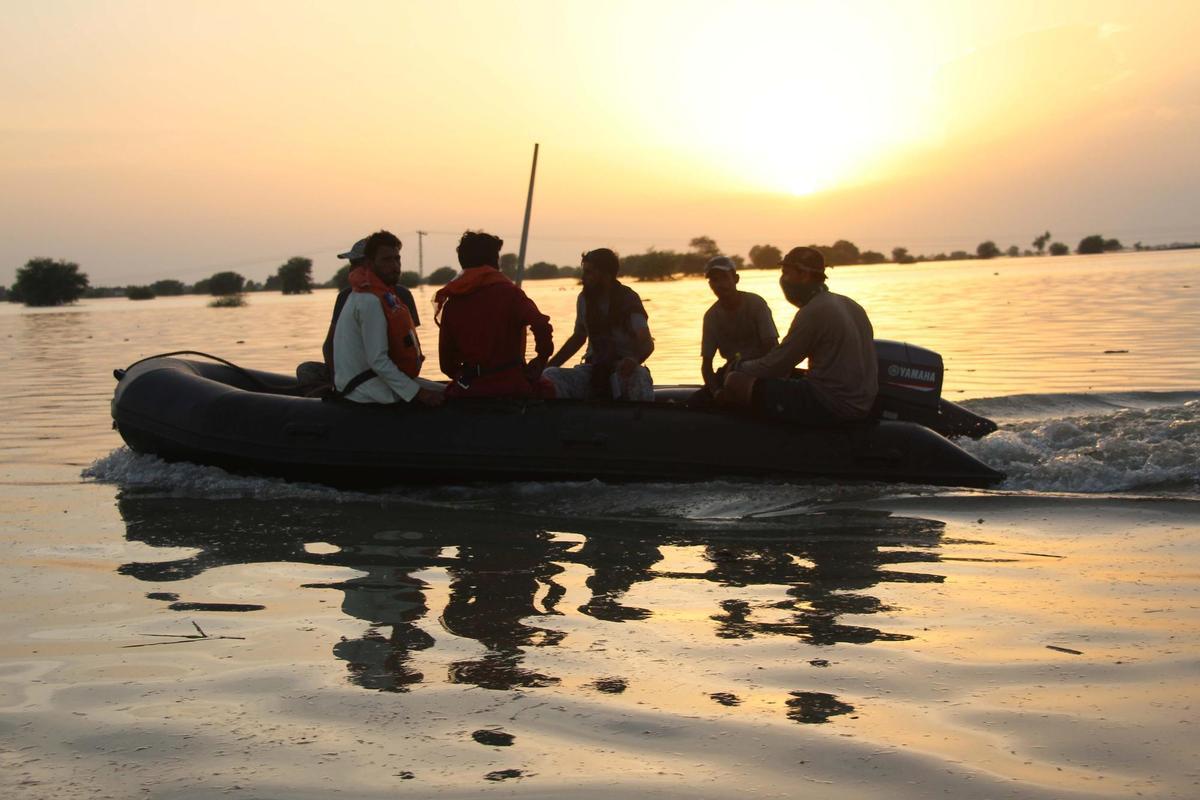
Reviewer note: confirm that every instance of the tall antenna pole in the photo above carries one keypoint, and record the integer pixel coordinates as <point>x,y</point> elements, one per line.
<point>525,229</point>
<point>421,253</point>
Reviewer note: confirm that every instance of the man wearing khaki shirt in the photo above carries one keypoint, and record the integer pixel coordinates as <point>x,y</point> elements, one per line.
<point>833,333</point>
<point>738,325</point>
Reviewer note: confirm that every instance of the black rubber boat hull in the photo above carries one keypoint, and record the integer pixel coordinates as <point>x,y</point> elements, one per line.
<point>184,410</point>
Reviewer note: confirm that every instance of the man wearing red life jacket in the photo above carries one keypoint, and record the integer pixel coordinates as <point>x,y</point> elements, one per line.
<point>376,353</point>
<point>483,316</point>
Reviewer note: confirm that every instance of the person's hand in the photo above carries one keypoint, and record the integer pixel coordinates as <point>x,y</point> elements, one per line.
<point>428,397</point>
<point>625,368</point>
<point>737,391</point>
<point>533,370</point>
<point>716,380</point>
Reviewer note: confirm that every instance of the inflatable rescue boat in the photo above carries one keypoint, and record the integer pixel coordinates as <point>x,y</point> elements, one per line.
<point>248,421</point>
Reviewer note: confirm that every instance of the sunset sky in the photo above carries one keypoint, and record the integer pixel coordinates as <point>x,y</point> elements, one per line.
<point>150,140</point>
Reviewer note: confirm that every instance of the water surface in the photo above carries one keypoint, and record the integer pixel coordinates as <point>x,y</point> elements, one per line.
<point>175,631</point>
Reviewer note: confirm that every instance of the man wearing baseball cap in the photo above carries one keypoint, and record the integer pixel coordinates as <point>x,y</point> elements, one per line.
<point>377,355</point>
<point>316,375</point>
<point>357,256</point>
<point>833,333</point>
<point>738,325</point>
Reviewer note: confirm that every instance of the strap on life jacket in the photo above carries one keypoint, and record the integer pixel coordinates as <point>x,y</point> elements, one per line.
<point>355,382</point>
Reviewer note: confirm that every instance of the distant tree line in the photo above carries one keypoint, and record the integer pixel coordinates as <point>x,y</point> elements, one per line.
<point>1087,246</point>
<point>49,282</point>
<point>664,264</point>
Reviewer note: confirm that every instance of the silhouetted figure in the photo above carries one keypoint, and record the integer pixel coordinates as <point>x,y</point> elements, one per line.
<point>833,333</point>
<point>610,317</point>
<point>483,318</point>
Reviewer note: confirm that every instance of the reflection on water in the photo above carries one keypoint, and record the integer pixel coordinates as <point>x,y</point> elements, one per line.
<point>815,707</point>
<point>829,586</point>
<point>493,589</point>
<point>507,577</point>
<point>392,600</point>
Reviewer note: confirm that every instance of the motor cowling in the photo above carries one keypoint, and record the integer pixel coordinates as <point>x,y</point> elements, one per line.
<point>910,389</point>
<point>908,374</point>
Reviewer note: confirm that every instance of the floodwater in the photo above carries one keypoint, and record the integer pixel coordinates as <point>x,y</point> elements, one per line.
<point>174,631</point>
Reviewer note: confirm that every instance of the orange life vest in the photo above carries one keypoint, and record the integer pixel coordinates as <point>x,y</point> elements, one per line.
<point>471,280</point>
<point>404,349</point>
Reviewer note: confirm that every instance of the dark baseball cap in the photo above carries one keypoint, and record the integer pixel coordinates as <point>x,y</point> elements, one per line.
<point>357,252</point>
<point>806,258</point>
<point>720,262</point>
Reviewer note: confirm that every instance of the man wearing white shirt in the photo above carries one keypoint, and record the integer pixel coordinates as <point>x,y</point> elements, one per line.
<point>376,353</point>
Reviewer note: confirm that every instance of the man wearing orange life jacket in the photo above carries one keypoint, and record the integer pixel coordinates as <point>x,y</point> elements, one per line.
<point>483,318</point>
<point>376,353</point>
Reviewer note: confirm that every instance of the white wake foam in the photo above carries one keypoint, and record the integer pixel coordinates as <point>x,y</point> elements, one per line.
<point>150,475</point>
<point>1132,449</point>
<point>712,500</point>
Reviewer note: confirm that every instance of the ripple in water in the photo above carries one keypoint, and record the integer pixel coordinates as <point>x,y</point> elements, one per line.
<point>1133,449</point>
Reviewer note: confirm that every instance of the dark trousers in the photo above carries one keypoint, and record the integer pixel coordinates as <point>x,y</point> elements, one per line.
<point>791,399</point>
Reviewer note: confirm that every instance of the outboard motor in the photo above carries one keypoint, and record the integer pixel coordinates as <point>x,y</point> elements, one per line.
<point>910,389</point>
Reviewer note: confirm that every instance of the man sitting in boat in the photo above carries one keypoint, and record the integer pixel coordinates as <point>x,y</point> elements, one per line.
<point>738,325</point>
<point>610,317</point>
<point>483,318</point>
<point>833,333</point>
<point>376,353</point>
<point>317,375</point>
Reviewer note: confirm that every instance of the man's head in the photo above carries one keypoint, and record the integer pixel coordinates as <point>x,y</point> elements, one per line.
<point>600,268</point>
<point>722,276</point>
<point>479,249</point>
<point>802,275</point>
<point>381,254</point>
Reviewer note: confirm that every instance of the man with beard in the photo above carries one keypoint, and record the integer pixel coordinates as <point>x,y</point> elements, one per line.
<point>833,333</point>
<point>376,353</point>
<point>317,376</point>
<point>738,325</point>
<point>610,317</point>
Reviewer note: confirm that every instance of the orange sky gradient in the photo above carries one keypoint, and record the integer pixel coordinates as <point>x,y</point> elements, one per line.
<point>168,140</point>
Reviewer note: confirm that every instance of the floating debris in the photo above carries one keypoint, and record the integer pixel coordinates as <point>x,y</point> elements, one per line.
<point>814,708</point>
<point>185,606</point>
<point>183,638</point>
<point>493,737</point>
<point>609,685</point>
<point>504,774</point>
<point>726,698</point>
<point>1064,650</point>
